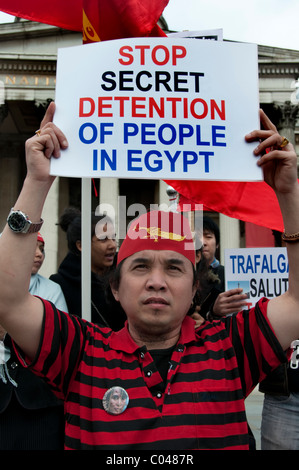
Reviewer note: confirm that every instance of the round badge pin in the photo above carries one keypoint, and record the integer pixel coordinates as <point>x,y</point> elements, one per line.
<point>115,400</point>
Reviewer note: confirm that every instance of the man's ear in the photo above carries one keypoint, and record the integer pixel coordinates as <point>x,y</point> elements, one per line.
<point>114,292</point>
<point>78,245</point>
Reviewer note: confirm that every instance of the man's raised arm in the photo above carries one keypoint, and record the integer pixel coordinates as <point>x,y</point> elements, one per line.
<point>20,313</point>
<point>279,162</point>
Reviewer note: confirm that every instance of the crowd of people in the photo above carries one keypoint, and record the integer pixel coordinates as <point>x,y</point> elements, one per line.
<point>165,341</point>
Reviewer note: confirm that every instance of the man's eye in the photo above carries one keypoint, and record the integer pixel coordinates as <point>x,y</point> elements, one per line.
<point>141,266</point>
<point>173,267</point>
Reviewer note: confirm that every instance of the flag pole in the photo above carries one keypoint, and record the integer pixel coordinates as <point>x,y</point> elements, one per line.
<point>85,224</point>
<point>86,247</point>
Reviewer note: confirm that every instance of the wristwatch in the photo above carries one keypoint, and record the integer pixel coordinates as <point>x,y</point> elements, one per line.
<point>19,222</point>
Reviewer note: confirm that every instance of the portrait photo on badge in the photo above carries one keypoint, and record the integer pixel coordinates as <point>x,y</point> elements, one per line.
<point>115,400</point>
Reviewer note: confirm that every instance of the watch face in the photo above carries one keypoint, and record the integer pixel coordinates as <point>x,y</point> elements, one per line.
<point>17,221</point>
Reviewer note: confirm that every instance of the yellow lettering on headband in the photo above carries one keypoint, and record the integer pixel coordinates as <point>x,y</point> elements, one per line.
<point>156,232</point>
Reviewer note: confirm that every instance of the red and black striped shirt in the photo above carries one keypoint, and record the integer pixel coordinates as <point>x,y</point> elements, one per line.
<point>212,369</point>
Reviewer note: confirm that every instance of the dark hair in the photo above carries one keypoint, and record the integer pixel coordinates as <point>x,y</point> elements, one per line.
<point>210,225</point>
<point>70,222</point>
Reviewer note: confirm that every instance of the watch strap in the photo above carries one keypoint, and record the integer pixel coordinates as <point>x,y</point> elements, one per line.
<point>35,227</point>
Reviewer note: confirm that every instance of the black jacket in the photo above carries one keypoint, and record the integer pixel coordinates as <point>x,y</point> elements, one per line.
<point>31,417</point>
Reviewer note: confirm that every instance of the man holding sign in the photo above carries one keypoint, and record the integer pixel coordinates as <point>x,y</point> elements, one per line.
<point>158,383</point>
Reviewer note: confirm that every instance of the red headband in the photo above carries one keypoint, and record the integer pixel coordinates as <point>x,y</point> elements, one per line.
<point>158,230</point>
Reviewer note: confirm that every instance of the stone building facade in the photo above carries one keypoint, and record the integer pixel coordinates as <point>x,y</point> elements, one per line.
<point>28,52</point>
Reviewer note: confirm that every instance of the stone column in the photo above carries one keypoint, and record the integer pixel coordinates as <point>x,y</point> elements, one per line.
<point>163,196</point>
<point>109,199</point>
<point>288,115</point>
<point>49,230</point>
<point>229,234</point>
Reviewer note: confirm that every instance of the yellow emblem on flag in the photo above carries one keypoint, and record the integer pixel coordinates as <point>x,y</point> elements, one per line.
<point>89,33</point>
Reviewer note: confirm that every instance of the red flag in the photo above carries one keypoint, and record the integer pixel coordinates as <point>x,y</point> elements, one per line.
<point>253,202</point>
<point>116,18</point>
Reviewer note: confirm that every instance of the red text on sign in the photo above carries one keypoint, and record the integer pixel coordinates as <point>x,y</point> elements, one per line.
<point>159,55</point>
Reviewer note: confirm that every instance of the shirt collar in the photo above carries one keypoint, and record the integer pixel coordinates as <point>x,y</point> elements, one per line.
<point>123,341</point>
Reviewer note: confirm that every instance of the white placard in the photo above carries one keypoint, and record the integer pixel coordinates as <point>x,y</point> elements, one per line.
<point>260,272</point>
<point>158,108</point>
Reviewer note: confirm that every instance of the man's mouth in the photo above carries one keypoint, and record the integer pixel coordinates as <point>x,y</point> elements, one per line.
<point>155,300</point>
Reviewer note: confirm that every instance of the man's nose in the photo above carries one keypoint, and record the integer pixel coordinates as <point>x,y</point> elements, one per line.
<point>156,280</point>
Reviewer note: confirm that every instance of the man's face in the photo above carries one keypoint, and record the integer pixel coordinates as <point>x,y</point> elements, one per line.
<point>209,246</point>
<point>155,290</point>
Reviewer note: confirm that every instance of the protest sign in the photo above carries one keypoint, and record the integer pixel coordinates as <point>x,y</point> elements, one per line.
<point>260,272</point>
<point>158,108</point>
